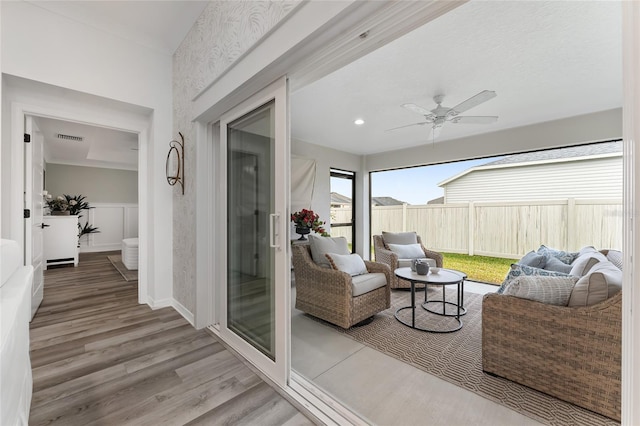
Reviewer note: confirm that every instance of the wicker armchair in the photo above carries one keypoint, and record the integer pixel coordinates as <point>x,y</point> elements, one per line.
<point>327,293</point>
<point>572,353</point>
<point>386,256</point>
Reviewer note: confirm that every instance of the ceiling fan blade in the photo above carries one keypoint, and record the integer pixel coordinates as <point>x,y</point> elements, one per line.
<point>481,97</point>
<point>422,123</point>
<point>469,119</point>
<point>418,109</point>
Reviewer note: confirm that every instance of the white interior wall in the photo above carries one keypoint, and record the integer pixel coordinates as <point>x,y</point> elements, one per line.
<point>326,159</point>
<point>50,48</point>
<point>599,126</point>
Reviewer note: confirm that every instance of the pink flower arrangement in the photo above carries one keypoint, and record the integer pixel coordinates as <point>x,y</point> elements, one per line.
<point>308,219</point>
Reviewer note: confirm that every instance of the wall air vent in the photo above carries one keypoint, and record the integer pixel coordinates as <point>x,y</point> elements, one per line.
<point>70,138</point>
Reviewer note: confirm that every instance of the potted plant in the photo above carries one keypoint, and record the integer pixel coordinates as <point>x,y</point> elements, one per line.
<point>58,206</point>
<point>70,205</point>
<point>307,221</point>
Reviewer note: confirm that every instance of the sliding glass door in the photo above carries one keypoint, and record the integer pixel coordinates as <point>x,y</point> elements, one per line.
<point>253,136</point>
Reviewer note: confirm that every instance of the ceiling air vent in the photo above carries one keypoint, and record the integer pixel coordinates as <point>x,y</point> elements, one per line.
<point>70,138</point>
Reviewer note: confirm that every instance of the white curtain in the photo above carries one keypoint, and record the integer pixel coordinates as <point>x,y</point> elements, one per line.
<point>303,178</point>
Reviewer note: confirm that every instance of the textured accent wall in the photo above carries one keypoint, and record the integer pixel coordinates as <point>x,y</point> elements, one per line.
<point>222,34</point>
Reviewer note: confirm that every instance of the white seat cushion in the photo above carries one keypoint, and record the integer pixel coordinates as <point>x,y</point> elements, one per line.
<point>365,283</point>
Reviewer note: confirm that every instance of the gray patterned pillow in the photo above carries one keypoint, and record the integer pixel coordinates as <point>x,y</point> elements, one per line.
<point>533,259</point>
<point>523,270</point>
<point>553,264</point>
<point>549,290</point>
<point>561,255</point>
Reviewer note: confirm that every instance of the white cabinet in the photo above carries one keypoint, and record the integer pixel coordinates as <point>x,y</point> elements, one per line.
<point>60,240</point>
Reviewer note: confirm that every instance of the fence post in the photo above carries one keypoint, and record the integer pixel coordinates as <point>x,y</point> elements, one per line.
<point>404,217</point>
<point>571,224</point>
<point>472,226</point>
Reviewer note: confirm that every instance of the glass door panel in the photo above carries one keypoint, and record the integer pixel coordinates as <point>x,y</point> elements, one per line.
<point>250,201</point>
<point>254,280</point>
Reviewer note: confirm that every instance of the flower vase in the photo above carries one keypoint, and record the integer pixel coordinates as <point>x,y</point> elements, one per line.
<point>302,230</point>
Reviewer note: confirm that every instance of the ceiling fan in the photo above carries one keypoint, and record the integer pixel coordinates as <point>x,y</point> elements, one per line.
<point>440,115</point>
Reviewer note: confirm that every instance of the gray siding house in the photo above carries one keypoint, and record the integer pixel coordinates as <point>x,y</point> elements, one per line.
<point>583,172</point>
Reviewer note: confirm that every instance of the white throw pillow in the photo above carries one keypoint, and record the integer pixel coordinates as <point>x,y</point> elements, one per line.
<point>323,245</point>
<point>352,264</point>
<point>550,290</point>
<point>407,251</point>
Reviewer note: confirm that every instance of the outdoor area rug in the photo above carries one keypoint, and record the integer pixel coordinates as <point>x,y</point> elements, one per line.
<point>128,275</point>
<point>457,358</point>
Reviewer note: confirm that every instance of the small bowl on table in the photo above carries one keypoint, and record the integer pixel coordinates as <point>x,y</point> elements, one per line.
<point>434,270</point>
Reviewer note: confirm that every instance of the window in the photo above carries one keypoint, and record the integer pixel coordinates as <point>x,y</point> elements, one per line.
<point>342,205</point>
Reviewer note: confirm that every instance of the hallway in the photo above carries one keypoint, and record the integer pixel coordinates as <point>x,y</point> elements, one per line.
<point>98,357</point>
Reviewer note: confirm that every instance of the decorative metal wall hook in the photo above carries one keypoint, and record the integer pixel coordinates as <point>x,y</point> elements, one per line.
<point>175,162</point>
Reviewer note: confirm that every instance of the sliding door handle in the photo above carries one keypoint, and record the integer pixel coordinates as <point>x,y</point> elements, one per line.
<point>273,230</point>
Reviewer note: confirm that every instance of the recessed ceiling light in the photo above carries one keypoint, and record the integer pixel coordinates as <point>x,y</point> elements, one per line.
<point>359,122</point>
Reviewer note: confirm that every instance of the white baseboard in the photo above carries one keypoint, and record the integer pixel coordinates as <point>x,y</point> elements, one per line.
<point>183,311</point>
<point>173,303</point>
<point>104,247</point>
<point>158,304</point>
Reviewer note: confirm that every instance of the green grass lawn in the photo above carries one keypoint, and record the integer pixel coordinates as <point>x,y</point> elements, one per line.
<point>479,268</point>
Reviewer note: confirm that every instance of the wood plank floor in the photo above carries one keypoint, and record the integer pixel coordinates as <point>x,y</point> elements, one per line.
<point>100,358</point>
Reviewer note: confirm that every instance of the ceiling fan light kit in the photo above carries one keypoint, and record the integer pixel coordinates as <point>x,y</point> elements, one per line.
<point>441,115</point>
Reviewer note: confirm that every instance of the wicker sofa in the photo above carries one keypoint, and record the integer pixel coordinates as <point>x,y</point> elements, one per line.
<point>384,255</point>
<point>328,294</point>
<point>570,352</point>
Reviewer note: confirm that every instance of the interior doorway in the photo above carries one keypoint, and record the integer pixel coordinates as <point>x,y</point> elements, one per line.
<point>39,101</point>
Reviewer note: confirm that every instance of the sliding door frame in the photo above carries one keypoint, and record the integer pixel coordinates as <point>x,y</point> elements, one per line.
<point>277,369</point>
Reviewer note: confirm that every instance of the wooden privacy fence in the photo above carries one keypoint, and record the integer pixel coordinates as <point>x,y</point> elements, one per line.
<point>505,229</point>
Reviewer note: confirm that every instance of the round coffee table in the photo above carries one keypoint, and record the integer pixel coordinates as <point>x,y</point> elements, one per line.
<point>443,278</point>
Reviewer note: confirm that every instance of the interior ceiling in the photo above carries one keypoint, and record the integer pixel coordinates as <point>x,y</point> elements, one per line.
<point>159,25</point>
<point>545,60</point>
<point>100,147</point>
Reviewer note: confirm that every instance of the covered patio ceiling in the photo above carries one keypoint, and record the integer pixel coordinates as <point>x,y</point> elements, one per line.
<point>545,61</point>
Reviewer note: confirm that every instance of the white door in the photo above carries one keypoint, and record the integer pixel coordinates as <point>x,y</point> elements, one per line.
<point>254,165</point>
<point>33,204</point>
